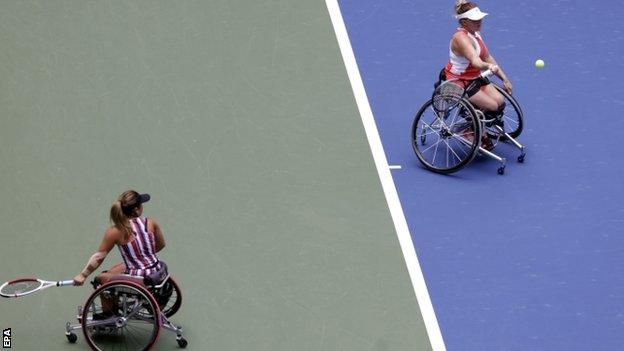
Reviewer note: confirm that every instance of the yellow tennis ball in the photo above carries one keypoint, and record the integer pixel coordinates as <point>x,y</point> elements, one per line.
<point>539,63</point>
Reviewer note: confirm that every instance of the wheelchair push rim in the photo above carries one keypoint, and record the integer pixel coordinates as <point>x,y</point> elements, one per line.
<point>129,326</point>
<point>445,142</point>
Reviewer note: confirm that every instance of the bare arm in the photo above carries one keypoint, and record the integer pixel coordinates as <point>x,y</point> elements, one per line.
<point>108,242</point>
<point>158,235</point>
<point>500,73</point>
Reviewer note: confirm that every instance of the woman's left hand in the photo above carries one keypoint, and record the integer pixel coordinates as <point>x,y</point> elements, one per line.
<point>507,85</point>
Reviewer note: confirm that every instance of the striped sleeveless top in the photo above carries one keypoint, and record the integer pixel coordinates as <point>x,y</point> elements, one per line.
<point>139,254</point>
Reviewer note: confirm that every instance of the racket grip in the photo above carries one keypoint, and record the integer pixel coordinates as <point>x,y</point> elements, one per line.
<point>65,283</point>
<point>486,73</point>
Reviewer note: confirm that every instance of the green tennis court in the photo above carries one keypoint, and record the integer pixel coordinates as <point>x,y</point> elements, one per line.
<point>239,119</point>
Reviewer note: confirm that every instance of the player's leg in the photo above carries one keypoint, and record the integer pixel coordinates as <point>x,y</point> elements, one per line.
<point>486,100</point>
<point>497,99</point>
<point>491,102</point>
<point>109,305</point>
<point>114,271</point>
<point>491,91</point>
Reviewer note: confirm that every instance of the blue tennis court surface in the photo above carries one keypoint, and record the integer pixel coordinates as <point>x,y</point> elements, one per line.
<point>532,260</point>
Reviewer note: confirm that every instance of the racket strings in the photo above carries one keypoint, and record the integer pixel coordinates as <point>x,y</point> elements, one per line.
<point>20,287</point>
<point>447,96</point>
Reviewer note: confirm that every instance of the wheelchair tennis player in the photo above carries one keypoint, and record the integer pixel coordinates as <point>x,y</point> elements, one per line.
<point>135,298</point>
<point>138,239</point>
<point>468,57</point>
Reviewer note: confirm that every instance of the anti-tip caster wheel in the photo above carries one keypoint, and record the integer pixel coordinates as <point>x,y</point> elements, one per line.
<point>72,338</point>
<point>182,342</point>
<point>521,158</point>
<point>501,170</point>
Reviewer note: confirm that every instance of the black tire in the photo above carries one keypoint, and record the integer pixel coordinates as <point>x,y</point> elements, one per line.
<point>182,343</point>
<point>512,120</point>
<point>72,338</point>
<point>129,326</point>
<point>456,136</point>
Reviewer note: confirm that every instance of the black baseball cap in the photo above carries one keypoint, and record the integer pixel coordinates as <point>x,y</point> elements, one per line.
<point>141,198</point>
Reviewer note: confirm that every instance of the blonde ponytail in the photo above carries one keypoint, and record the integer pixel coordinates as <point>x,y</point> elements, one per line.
<point>127,206</point>
<point>120,220</point>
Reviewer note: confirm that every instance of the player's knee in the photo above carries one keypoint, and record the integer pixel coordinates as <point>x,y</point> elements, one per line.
<point>500,100</point>
<point>501,107</point>
<point>491,105</point>
<point>101,278</point>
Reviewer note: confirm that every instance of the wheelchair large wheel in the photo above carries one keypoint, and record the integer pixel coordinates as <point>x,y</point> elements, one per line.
<point>512,119</point>
<point>446,142</point>
<point>169,297</point>
<point>127,322</point>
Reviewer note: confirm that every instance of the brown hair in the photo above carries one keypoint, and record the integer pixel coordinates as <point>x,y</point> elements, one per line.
<point>462,6</point>
<point>120,212</point>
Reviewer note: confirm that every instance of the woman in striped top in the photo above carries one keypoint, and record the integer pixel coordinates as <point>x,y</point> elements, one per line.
<point>138,239</point>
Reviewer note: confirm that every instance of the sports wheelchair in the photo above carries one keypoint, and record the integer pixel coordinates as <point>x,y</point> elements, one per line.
<point>448,130</point>
<point>140,308</point>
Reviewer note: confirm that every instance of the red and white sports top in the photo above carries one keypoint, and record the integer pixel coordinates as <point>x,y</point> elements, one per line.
<point>459,66</point>
<point>139,254</point>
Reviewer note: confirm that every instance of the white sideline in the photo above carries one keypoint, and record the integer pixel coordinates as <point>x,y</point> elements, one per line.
<point>392,197</point>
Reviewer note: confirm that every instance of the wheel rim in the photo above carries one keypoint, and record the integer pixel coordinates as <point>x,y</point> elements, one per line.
<point>445,143</point>
<point>130,327</point>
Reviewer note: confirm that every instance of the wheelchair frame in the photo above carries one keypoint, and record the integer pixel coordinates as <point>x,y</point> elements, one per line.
<point>138,303</point>
<point>447,129</point>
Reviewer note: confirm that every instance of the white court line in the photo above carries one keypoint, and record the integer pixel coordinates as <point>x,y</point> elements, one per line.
<point>392,197</point>
<point>394,166</point>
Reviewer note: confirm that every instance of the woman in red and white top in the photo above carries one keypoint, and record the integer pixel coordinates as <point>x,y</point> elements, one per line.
<point>138,239</point>
<point>469,57</point>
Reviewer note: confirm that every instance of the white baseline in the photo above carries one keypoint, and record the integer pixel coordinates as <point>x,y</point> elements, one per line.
<point>392,197</point>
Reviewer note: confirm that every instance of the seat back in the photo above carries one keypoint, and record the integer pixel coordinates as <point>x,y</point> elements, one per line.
<point>441,78</point>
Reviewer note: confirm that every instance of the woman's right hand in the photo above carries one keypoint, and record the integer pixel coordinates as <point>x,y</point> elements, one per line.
<point>79,279</point>
<point>493,68</point>
<point>507,85</point>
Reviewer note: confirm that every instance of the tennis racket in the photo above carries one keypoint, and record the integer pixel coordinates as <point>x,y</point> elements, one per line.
<point>26,286</point>
<point>448,94</point>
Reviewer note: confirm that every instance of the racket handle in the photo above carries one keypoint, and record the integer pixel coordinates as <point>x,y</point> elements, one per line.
<point>487,73</point>
<point>65,283</point>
